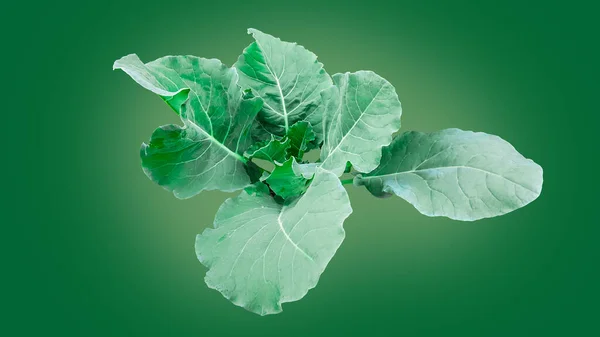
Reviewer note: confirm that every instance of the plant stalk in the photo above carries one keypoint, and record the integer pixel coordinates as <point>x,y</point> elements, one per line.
<point>347,181</point>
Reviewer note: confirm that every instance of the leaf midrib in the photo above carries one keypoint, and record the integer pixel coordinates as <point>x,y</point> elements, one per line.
<point>353,125</point>
<point>267,61</point>
<point>214,140</point>
<point>448,167</point>
<point>288,237</point>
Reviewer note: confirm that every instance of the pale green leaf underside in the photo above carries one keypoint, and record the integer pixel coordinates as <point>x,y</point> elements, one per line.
<point>362,112</point>
<point>204,153</point>
<point>262,254</point>
<point>459,174</point>
<point>286,76</point>
<point>307,170</point>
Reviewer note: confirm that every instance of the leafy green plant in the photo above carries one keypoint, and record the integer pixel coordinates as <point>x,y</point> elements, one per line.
<point>270,244</point>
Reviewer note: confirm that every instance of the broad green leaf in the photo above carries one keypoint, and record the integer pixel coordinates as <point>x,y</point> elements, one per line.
<point>459,174</point>
<point>301,136</point>
<point>362,113</point>
<point>286,76</point>
<point>261,254</point>
<point>206,152</point>
<point>272,150</point>
<point>285,181</point>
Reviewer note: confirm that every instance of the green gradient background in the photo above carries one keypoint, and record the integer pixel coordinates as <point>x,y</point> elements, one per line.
<point>93,248</point>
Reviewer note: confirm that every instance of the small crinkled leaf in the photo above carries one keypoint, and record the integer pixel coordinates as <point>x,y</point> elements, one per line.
<point>301,138</point>
<point>285,181</point>
<point>459,174</point>
<point>286,76</point>
<point>272,150</point>
<point>362,113</point>
<point>206,152</point>
<point>261,254</point>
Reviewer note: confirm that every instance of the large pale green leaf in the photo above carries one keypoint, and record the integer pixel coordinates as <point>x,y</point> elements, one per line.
<point>261,254</point>
<point>286,76</point>
<point>285,180</point>
<point>362,113</point>
<point>459,174</point>
<point>206,152</point>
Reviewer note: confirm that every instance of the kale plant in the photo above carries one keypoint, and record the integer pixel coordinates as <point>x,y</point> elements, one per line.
<point>270,244</point>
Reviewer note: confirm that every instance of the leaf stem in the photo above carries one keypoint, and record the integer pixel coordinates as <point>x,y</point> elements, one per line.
<point>241,158</point>
<point>347,181</point>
